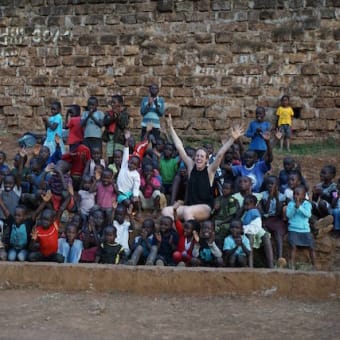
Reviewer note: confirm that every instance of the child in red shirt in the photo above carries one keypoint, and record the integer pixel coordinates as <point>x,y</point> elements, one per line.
<point>44,243</point>
<point>186,241</point>
<point>76,132</point>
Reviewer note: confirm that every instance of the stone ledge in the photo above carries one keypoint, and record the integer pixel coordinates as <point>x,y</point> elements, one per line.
<point>170,280</point>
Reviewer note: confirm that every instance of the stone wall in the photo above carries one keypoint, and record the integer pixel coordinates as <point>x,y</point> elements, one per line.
<point>214,60</point>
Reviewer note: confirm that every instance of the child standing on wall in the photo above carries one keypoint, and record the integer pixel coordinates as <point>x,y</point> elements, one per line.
<point>54,127</point>
<point>285,114</point>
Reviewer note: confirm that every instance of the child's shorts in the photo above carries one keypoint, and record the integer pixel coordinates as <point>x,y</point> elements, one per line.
<point>124,196</point>
<point>286,130</point>
<point>301,239</point>
<point>148,203</point>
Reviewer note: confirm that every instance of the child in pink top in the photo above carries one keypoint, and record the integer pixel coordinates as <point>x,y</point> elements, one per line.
<point>106,193</point>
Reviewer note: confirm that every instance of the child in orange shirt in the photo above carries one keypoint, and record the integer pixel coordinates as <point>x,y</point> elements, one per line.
<point>285,114</point>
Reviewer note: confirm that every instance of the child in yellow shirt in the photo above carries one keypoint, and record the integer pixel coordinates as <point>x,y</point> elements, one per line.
<point>285,114</point>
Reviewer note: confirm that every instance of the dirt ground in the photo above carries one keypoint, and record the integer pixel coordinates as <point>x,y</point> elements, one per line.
<point>33,314</point>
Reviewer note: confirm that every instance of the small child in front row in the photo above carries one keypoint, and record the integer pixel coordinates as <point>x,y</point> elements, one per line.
<point>123,223</point>
<point>44,242</point>
<point>298,212</point>
<point>252,226</point>
<point>167,240</point>
<point>186,241</point>
<point>205,252</point>
<point>225,209</point>
<point>110,252</point>
<point>144,248</point>
<point>236,248</point>
<point>70,247</point>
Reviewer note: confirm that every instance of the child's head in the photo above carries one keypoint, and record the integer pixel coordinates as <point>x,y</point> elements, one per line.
<point>299,193</point>
<point>294,179</point>
<point>99,168</point>
<point>189,226</point>
<point>236,151</point>
<point>55,107</point>
<point>97,216</point>
<point>77,221</point>
<point>285,101</point>
<point>4,172</point>
<point>165,224</point>
<point>92,103</point>
<point>209,147</point>
<point>250,158</point>
<point>74,110</point>
<point>133,163</point>
<point>44,153</point>
<point>148,170</point>
<point>271,181</point>
<point>9,182</point>
<point>249,202</point>
<point>120,213</point>
<point>96,154</point>
<point>227,188</point>
<point>245,183</point>
<point>110,234</point>
<point>160,144</point>
<point>2,157</point>
<point>47,218</point>
<point>35,166</point>
<point>20,214</point>
<point>260,113</point>
<point>327,174</point>
<point>63,166</point>
<point>207,229</point>
<point>168,150</point>
<point>86,182</point>
<point>190,152</point>
<point>117,102</point>
<point>107,177</point>
<point>16,160</point>
<point>71,232</point>
<point>117,157</point>
<point>236,228</point>
<point>288,163</point>
<point>153,89</point>
<point>149,226</point>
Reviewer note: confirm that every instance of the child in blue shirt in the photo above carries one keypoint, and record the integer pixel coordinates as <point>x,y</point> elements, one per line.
<point>54,126</point>
<point>299,211</point>
<point>236,247</point>
<point>257,128</point>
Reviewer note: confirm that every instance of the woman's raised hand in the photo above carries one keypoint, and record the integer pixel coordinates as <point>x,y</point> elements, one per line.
<point>169,120</point>
<point>237,131</point>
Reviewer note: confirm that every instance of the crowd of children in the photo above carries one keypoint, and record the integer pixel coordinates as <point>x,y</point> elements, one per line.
<point>65,203</point>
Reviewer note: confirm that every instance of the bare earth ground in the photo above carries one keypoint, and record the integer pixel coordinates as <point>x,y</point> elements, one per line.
<point>34,314</point>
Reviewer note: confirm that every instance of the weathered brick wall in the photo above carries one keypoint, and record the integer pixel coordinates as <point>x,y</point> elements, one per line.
<point>214,60</point>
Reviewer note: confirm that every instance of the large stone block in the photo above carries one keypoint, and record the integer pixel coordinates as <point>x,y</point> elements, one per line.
<point>322,125</point>
<point>201,124</point>
<point>330,114</point>
<point>5,101</point>
<point>309,69</point>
